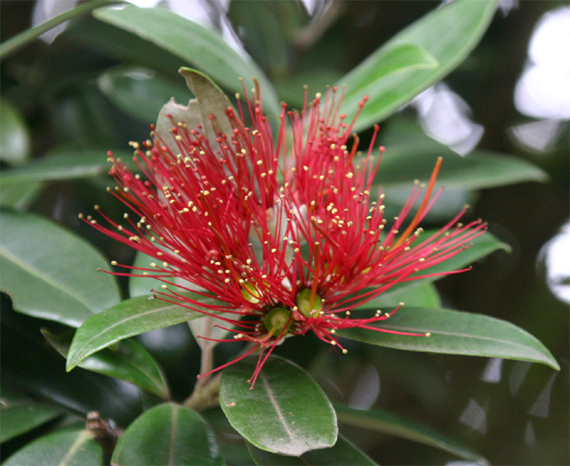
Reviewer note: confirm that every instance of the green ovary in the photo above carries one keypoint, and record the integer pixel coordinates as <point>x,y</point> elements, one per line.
<point>278,321</point>
<point>304,303</point>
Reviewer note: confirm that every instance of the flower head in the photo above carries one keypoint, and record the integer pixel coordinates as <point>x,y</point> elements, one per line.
<point>288,236</point>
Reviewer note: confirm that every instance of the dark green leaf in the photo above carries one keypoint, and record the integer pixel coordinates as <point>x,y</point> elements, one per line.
<point>51,273</point>
<point>140,92</point>
<point>167,435</point>
<point>65,164</point>
<point>342,453</point>
<point>448,34</point>
<point>481,246</point>
<point>386,423</point>
<point>14,135</point>
<point>478,170</point>
<point>19,196</point>
<point>60,449</point>
<point>285,413</point>
<point>131,317</point>
<point>20,415</point>
<point>196,45</point>
<point>29,364</point>
<point>122,46</point>
<point>265,31</point>
<point>454,332</point>
<point>126,361</point>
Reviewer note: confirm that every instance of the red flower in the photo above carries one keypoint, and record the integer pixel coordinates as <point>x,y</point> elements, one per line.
<point>287,237</point>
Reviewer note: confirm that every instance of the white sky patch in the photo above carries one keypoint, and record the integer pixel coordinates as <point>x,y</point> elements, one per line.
<point>518,376</point>
<point>475,417</point>
<point>45,10</point>
<point>543,90</point>
<point>366,391</point>
<point>556,256</point>
<point>541,407</point>
<point>445,117</point>
<point>493,370</point>
<point>538,136</point>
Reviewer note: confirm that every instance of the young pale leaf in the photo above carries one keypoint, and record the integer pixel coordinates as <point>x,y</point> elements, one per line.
<point>14,135</point>
<point>195,44</point>
<point>167,434</point>
<point>386,423</point>
<point>478,170</point>
<point>64,164</point>
<point>377,78</point>
<point>131,317</point>
<point>464,22</point>
<point>51,273</point>
<point>286,412</point>
<point>61,448</point>
<point>343,452</point>
<point>210,101</point>
<point>454,332</point>
<point>20,415</point>
<point>126,361</point>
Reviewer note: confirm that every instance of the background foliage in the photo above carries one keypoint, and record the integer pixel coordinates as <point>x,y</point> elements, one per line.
<point>99,85</point>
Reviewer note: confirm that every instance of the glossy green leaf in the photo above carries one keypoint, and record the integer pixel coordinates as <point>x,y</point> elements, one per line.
<point>139,286</point>
<point>77,447</point>
<point>140,92</point>
<point>386,423</point>
<point>377,77</point>
<point>422,295</point>
<point>20,415</point>
<point>64,164</point>
<point>342,453</point>
<point>167,435</point>
<point>448,34</point>
<point>198,46</point>
<point>14,135</point>
<point>128,318</point>
<point>480,247</point>
<point>478,170</point>
<point>51,273</point>
<point>126,361</point>
<point>454,332</point>
<point>285,413</point>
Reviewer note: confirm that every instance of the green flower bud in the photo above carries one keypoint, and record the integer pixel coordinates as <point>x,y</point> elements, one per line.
<point>250,293</point>
<point>277,319</point>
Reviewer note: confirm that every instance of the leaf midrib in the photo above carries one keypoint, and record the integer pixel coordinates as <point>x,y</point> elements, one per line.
<point>80,356</point>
